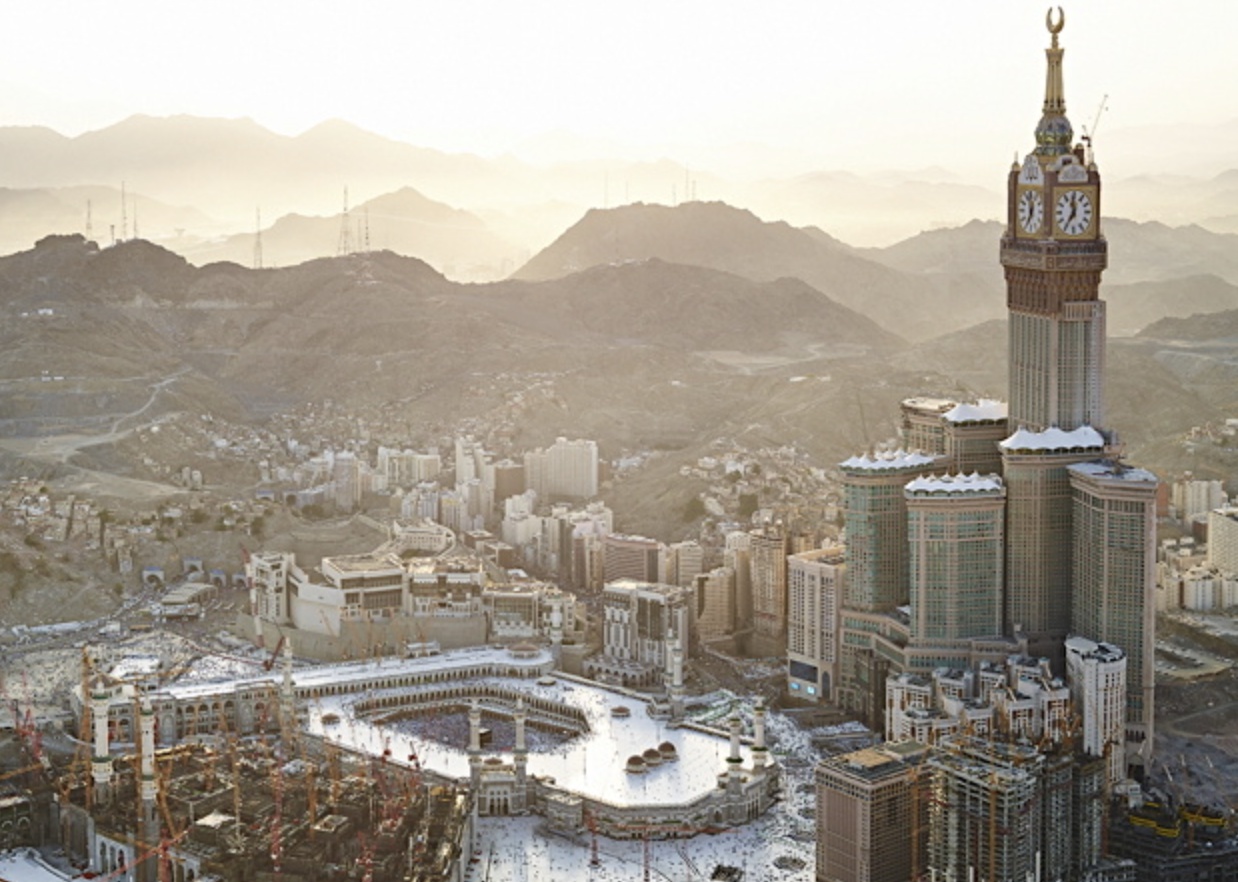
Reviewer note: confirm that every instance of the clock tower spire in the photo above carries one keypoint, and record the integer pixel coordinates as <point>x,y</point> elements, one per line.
<point>1053,254</point>
<point>1053,135</point>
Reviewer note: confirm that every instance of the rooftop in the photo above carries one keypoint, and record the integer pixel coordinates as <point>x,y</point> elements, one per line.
<point>1114,471</point>
<point>869,764</point>
<point>888,461</point>
<point>1105,652</point>
<point>338,674</point>
<point>970,485</point>
<point>984,410</point>
<point>1054,439</point>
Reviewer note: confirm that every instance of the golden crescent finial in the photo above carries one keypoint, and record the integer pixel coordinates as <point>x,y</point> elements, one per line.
<point>1061,21</point>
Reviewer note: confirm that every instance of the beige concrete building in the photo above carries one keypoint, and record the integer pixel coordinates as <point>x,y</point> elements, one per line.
<point>867,828</point>
<point>814,591</point>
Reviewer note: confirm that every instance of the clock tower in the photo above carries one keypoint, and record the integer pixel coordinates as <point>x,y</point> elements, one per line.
<point>1053,254</point>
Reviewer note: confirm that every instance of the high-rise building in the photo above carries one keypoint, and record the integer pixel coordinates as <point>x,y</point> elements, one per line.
<point>632,557</point>
<point>1096,673</point>
<point>768,551</point>
<point>955,531</point>
<point>814,596</point>
<point>1038,535</point>
<point>876,514</point>
<point>964,433</point>
<point>684,562</point>
<point>346,479</point>
<point>715,598</point>
<point>1223,540</point>
<point>737,555</point>
<point>985,816</point>
<point>1053,254</point>
<point>564,469</point>
<point>1077,546</point>
<point>868,829</point>
<point>642,624</point>
<point>1011,812</point>
<point>1194,498</point>
<point>508,480</point>
<point>1114,594</point>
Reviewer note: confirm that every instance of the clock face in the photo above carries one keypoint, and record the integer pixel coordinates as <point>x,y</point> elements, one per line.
<point>1074,212</point>
<point>1031,211</point>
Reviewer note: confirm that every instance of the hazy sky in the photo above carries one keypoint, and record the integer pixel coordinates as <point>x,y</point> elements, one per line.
<point>884,83</point>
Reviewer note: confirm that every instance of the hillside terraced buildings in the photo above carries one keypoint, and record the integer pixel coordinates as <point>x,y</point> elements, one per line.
<point>1004,531</point>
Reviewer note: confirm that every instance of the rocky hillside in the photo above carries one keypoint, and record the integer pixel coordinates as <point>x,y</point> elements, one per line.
<point>89,332</point>
<point>721,237</point>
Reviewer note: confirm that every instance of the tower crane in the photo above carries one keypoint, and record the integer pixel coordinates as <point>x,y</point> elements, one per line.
<point>1089,132</point>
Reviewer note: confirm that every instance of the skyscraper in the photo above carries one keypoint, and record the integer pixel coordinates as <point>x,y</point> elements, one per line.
<point>768,551</point>
<point>1114,596</point>
<point>814,593</point>
<point>866,808</point>
<point>565,469</point>
<point>1096,673</point>
<point>1076,555</point>
<point>1053,253</point>
<point>1038,538</point>
<point>876,514</point>
<point>954,531</point>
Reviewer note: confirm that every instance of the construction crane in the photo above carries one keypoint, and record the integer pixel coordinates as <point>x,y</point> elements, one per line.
<point>165,858</point>
<point>1089,133</point>
<point>13,774</point>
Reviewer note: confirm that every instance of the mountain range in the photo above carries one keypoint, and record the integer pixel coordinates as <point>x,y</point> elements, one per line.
<point>644,352</point>
<point>663,326</point>
<point>226,170</point>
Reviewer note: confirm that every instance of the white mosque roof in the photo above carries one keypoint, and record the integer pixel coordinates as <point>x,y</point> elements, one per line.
<point>973,483</point>
<point>984,409</point>
<point>1084,437</point>
<point>884,462</point>
<point>591,765</point>
<point>457,661</point>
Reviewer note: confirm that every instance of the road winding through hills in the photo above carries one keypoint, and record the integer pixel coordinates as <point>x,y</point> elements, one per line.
<point>58,450</point>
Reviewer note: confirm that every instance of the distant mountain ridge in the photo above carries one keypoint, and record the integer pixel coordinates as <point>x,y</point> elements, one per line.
<point>371,326</point>
<point>457,242</point>
<point>716,235</point>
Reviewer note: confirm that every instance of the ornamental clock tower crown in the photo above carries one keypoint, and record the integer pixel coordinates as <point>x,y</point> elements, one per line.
<point>1053,254</point>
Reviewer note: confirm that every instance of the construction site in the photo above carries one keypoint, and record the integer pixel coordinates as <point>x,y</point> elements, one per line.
<point>128,802</point>
<point>210,769</point>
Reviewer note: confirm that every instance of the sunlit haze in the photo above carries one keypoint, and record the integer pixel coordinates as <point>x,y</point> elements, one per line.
<point>750,88</point>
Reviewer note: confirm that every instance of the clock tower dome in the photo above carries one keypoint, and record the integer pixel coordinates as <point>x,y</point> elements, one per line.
<point>1053,254</point>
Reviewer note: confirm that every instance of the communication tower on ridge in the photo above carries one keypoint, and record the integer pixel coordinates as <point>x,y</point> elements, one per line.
<point>257,238</point>
<point>124,214</point>
<point>345,244</point>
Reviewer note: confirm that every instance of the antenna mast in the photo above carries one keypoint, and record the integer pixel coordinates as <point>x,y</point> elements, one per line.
<point>89,230</point>
<point>345,245</point>
<point>257,238</point>
<point>124,214</point>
